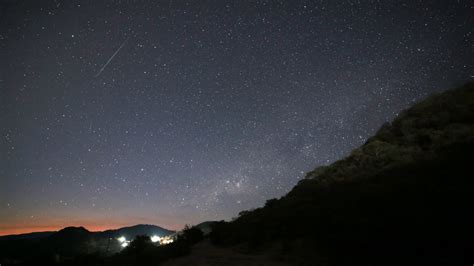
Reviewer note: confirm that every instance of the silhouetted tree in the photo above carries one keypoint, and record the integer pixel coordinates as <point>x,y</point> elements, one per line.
<point>192,235</point>
<point>139,244</point>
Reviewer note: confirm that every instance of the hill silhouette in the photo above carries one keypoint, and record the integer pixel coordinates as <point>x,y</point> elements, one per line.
<point>401,198</point>
<point>133,231</point>
<point>34,235</point>
<point>71,233</point>
<point>69,243</point>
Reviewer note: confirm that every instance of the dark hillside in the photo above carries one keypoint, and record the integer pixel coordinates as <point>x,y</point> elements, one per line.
<point>401,198</point>
<point>69,243</point>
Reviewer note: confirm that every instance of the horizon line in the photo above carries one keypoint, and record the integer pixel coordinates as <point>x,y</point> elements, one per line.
<point>94,229</point>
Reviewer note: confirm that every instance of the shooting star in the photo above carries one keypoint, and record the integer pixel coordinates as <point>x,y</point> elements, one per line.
<point>110,59</point>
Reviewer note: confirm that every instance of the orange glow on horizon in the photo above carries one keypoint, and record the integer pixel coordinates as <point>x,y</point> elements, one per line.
<point>15,230</point>
<point>32,229</point>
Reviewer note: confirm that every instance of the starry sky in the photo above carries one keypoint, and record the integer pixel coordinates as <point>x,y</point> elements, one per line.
<point>172,112</point>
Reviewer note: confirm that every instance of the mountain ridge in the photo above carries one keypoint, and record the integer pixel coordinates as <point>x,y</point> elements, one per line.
<point>42,234</point>
<point>403,191</point>
<point>72,241</point>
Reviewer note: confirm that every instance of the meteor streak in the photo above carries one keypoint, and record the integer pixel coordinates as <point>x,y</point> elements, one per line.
<point>110,59</point>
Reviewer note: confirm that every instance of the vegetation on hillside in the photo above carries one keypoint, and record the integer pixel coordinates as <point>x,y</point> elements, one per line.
<point>401,198</point>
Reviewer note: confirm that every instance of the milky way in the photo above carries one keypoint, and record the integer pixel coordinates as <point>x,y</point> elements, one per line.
<point>206,108</point>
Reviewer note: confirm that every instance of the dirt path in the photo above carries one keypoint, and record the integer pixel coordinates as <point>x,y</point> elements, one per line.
<point>206,254</point>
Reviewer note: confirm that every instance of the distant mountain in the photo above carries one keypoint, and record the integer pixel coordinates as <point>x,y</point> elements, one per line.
<point>133,231</point>
<point>70,242</point>
<point>399,199</point>
<point>71,233</point>
<point>80,232</point>
<point>35,235</point>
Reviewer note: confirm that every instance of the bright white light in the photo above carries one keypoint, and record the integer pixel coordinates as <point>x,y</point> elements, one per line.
<point>155,239</point>
<point>166,241</point>
<point>124,244</point>
<point>122,239</point>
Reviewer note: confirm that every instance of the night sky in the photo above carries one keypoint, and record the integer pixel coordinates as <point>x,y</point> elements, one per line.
<point>175,112</point>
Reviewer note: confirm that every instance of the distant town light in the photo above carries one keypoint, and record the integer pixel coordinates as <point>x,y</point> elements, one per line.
<point>124,244</point>
<point>122,239</point>
<point>166,240</point>
<point>155,239</point>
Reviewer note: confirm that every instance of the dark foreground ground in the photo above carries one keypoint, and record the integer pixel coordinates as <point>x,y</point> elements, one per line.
<point>206,254</point>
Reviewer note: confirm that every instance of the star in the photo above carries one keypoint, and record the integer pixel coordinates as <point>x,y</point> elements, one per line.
<point>201,111</point>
